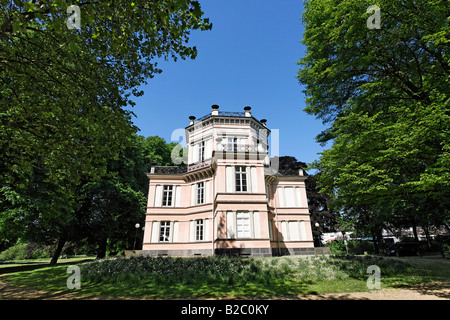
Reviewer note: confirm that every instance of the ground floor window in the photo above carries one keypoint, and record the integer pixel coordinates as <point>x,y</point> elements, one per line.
<point>243,225</point>
<point>199,230</point>
<point>164,231</point>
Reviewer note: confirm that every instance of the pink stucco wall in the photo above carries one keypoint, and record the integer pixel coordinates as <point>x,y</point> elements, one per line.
<point>267,217</point>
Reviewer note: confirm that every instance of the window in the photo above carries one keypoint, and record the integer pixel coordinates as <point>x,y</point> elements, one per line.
<point>289,197</point>
<point>199,230</point>
<point>232,144</point>
<point>164,231</point>
<point>293,230</point>
<point>294,234</point>
<point>243,224</point>
<point>200,193</point>
<point>201,151</point>
<point>271,230</point>
<point>167,196</point>
<point>241,179</point>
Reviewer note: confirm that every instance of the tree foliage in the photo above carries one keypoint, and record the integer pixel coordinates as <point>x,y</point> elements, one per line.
<point>65,96</point>
<point>385,94</point>
<point>64,92</point>
<point>105,210</point>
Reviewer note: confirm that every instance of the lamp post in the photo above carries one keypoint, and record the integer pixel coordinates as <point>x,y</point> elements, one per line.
<point>318,233</point>
<point>137,225</point>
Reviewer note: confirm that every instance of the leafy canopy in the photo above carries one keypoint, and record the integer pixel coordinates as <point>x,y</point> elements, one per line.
<point>65,95</point>
<point>63,92</point>
<point>385,94</point>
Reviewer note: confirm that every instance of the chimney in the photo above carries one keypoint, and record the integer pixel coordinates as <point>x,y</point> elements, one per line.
<point>263,121</point>
<point>191,120</point>
<point>215,110</point>
<point>247,111</point>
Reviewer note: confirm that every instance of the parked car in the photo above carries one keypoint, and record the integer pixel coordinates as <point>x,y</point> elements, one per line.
<point>403,249</point>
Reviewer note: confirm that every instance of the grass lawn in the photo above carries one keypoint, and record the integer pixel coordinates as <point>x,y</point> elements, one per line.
<point>166,278</point>
<point>39,262</point>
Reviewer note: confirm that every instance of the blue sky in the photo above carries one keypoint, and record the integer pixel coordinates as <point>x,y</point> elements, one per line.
<point>248,58</point>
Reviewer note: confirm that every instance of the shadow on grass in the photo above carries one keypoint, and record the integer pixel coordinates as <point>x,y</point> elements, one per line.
<point>214,278</point>
<point>50,283</point>
<point>439,289</point>
<point>423,286</point>
<point>29,266</point>
<point>192,291</point>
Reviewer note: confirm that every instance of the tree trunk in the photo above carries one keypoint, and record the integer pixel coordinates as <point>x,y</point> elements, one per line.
<point>427,234</point>
<point>101,250</point>
<point>380,241</point>
<point>375,243</point>
<point>61,242</point>
<point>415,231</point>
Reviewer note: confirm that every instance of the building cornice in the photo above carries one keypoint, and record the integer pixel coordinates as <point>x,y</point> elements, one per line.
<point>215,119</point>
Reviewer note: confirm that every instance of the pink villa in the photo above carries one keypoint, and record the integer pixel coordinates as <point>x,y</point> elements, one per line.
<point>228,200</point>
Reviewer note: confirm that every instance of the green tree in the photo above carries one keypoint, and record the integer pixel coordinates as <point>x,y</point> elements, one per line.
<point>385,95</point>
<point>111,206</point>
<point>64,92</point>
<point>157,151</point>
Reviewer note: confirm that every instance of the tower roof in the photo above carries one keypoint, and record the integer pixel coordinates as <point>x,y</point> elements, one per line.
<point>215,113</point>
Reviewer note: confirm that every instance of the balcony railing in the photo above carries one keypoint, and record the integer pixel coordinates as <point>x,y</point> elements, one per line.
<point>231,114</point>
<point>168,170</point>
<point>283,172</point>
<point>232,147</point>
<point>221,114</point>
<point>199,165</point>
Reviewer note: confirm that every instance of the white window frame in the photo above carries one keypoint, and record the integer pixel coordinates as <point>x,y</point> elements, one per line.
<point>232,144</point>
<point>293,230</point>
<point>200,199</point>
<point>165,196</point>
<point>289,197</point>
<point>201,151</point>
<point>243,225</point>
<point>164,231</point>
<point>240,175</point>
<point>199,230</point>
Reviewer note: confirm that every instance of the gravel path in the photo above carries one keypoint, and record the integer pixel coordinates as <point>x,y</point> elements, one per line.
<point>435,291</point>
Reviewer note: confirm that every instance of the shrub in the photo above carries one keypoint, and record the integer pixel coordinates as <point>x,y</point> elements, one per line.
<point>16,252</point>
<point>37,251</point>
<point>435,247</point>
<point>446,248</point>
<point>353,247</point>
<point>361,246</point>
<point>172,271</point>
<point>356,266</point>
<point>337,247</point>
